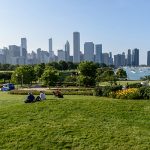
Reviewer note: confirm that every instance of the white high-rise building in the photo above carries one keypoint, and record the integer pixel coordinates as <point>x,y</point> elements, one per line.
<point>76,47</point>
<point>89,51</point>
<point>61,55</point>
<point>51,53</point>
<point>98,53</point>
<point>67,51</point>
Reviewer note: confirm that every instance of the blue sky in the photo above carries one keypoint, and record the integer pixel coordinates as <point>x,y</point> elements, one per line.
<point>117,24</point>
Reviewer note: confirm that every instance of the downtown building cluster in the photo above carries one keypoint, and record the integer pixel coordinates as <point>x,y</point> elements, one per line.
<point>14,54</point>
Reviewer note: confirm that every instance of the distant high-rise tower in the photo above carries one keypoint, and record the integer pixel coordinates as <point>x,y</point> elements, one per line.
<point>61,55</point>
<point>129,56</point>
<point>67,52</point>
<point>23,52</point>
<point>98,53</point>
<point>89,51</point>
<point>123,59</point>
<point>51,53</point>
<point>148,58</point>
<point>76,47</point>
<point>106,58</point>
<point>110,58</point>
<point>135,57</point>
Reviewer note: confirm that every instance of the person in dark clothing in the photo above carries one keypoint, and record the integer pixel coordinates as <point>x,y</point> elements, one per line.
<point>30,98</point>
<point>58,93</point>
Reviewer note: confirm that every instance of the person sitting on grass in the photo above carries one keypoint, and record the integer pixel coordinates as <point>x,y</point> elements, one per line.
<point>58,93</point>
<point>30,98</point>
<point>41,96</point>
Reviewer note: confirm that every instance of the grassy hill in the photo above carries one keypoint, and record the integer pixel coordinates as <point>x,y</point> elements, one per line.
<point>76,122</point>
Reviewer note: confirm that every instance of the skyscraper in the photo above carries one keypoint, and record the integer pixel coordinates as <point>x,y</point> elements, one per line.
<point>23,52</point>
<point>76,47</point>
<point>148,58</point>
<point>98,53</point>
<point>106,58</point>
<point>129,56</point>
<point>61,55</point>
<point>89,51</point>
<point>67,51</point>
<point>123,59</point>
<point>135,57</point>
<point>51,53</point>
<point>117,60</point>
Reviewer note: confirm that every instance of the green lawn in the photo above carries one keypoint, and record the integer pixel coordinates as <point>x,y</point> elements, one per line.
<point>76,122</point>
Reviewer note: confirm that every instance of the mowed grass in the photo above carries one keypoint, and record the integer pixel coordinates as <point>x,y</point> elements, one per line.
<point>76,122</point>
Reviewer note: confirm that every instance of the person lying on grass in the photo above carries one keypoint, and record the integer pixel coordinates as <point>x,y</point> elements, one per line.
<point>58,93</point>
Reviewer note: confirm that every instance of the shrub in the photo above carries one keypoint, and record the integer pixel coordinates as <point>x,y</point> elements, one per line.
<point>131,93</point>
<point>134,85</point>
<point>144,92</point>
<point>106,90</point>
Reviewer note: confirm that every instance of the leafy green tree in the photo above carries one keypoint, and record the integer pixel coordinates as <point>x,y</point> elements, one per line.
<point>121,73</point>
<point>106,74</point>
<point>23,75</point>
<point>50,76</point>
<point>87,73</point>
<point>54,65</point>
<point>63,65</point>
<point>39,69</point>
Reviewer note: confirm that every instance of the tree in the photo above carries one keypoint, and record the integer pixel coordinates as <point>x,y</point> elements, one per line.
<point>23,75</point>
<point>39,69</point>
<point>87,73</point>
<point>121,73</point>
<point>50,76</point>
<point>63,65</point>
<point>106,74</point>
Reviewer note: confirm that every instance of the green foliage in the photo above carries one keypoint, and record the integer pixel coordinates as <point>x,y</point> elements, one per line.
<point>25,74</point>
<point>130,93</point>
<point>39,69</point>
<point>106,74</point>
<point>121,73</point>
<point>50,76</point>
<point>106,90</point>
<point>87,73</point>
<point>86,81</point>
<point>134,85</point>
<point>144,92</point>
<point>145,78</point>
<point>5,75</point>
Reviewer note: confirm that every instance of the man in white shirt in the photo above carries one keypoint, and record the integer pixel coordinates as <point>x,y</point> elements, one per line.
<point>42,95</point>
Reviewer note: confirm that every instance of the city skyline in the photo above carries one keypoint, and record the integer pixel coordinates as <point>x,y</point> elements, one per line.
<point>118,24</point>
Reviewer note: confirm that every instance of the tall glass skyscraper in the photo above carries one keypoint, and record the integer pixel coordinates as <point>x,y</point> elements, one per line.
<point>23,52</point>
<point>98,53</point>
<point>135,57</point>
<point>76,47</point>
<point>129,56</point>
<point>89,51</point>
<point>51,53</point>
<point>148,58</point>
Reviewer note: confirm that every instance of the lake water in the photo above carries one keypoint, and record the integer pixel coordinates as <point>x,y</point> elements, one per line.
<point>135,73</point>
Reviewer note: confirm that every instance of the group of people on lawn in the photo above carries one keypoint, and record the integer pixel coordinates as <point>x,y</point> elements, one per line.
<point>31,98</point>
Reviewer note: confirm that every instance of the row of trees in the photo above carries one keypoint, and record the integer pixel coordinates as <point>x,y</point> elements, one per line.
<point>86,74</point>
